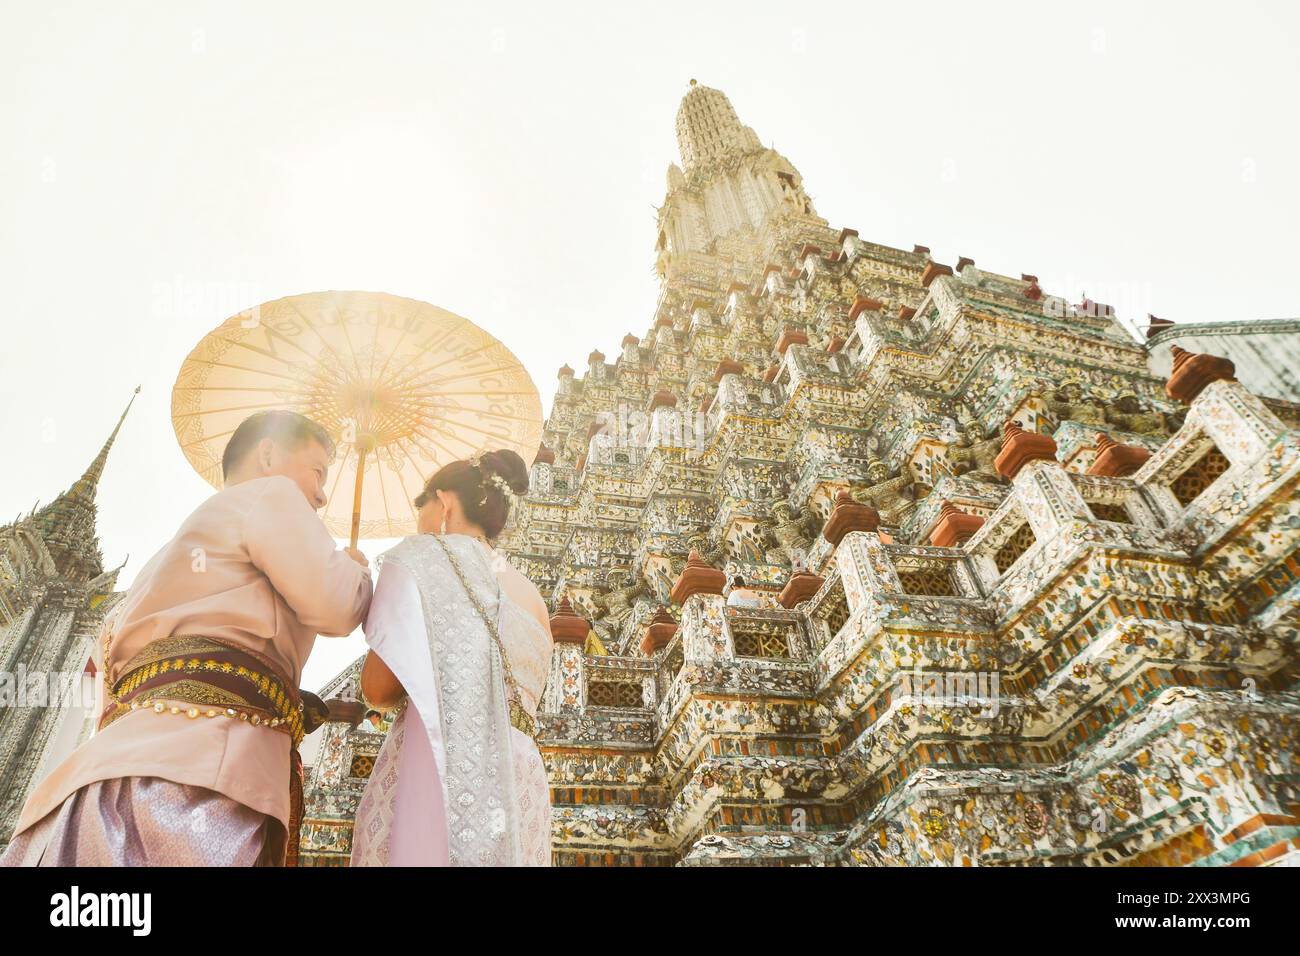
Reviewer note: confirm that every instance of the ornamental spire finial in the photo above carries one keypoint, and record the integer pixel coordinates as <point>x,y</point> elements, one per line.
<point>90,480</point>
<point>708,128</point>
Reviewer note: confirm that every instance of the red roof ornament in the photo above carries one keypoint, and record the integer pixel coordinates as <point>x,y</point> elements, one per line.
<point>800,587</point>
<point>790,337</point>
<point>1096,310</point>
<point>849,515</point>
<point>863,304</point>
<point>1020,447</point>
<point>932,271</point>
<point>567,626</point>
<point>697,578</point>
<point>1115,460</point>
<point>954,527</point>
<point>662,399</point>
<point>658,632</point>
<point>727,367</point>
<point>1157,325</point>
<point>1193,371</point>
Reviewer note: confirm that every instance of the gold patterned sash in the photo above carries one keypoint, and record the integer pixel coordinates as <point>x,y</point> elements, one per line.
<point>204,678</point>
<point>212,679</point>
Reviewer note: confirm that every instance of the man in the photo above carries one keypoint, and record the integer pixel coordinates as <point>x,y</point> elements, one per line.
<point>200,720</point>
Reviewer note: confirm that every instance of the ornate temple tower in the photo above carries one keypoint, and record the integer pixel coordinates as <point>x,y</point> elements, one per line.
<point>54,594</point>
<point>1028,589</point>
<point>731,190</point>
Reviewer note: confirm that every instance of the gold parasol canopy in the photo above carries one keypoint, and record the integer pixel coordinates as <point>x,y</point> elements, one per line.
<point>404,387</point>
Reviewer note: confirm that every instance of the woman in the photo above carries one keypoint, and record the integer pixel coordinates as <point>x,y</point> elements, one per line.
<point>459,780</point>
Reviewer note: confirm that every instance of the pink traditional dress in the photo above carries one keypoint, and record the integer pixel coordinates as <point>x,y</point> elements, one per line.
<point>457,783</point>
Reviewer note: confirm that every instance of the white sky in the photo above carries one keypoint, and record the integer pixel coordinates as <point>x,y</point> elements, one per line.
<point>163,165</point>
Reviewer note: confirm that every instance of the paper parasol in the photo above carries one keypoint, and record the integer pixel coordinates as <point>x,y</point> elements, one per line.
<point>404,387</point>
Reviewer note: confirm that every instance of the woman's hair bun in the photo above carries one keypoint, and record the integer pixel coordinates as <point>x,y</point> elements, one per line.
<point>509,466</point>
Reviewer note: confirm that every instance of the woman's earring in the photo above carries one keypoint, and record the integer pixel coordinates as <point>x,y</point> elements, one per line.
<point>444,520</point>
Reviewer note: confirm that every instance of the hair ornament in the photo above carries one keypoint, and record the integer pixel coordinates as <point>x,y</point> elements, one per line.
<point>498,482</point>
<point>495,481</point>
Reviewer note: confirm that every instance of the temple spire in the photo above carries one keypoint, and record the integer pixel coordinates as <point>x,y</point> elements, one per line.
<point>67,524</point>
<point>90,480</point>
<point>708,129</point>
<point>730,188</point>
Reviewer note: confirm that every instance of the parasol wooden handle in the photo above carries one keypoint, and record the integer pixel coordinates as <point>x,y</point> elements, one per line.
<point>356,496</point>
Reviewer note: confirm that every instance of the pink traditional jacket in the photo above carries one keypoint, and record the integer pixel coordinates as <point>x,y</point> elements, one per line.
<point>252,566</point>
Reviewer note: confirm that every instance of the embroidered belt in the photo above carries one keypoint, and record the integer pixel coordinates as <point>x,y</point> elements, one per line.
<point>213,678</point>
<point>218,680</point>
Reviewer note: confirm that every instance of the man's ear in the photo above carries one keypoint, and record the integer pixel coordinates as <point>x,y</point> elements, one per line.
<point>264,455</point>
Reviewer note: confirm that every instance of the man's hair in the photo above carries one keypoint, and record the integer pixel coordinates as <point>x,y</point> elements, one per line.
<point>286,428</point>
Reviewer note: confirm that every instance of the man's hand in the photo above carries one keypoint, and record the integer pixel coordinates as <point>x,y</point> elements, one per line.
<point>314,711</point>
<point>345,711</point>
<point>356,555</point>
<point>317,712</point>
